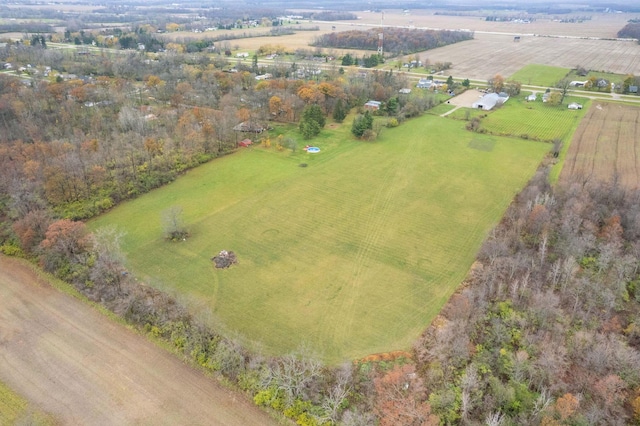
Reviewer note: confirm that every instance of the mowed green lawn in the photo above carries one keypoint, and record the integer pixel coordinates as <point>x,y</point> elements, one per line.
<point>354,254</point>
<point>536,120</point>
<point>540,75</point>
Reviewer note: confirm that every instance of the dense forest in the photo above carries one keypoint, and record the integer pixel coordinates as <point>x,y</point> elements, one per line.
<point>397,41</point>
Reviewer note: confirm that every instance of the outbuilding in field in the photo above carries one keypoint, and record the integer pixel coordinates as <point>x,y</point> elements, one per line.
<point>574,105</point>
<point>372,105</point>
<point>490,100</point>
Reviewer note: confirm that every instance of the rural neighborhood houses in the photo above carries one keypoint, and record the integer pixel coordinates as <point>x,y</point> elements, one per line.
<point>490,100</point>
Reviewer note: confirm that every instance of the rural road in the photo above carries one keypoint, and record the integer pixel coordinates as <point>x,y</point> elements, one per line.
<point>74,363</point>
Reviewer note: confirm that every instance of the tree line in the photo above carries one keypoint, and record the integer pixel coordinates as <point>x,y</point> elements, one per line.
<point>545,330</point>
<point>397,41</point>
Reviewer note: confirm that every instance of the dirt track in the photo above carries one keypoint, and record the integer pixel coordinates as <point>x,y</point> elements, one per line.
<point>76,364</point>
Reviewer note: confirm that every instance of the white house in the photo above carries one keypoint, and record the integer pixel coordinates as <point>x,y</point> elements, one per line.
<point>574,105</point>
<point>242,55</point>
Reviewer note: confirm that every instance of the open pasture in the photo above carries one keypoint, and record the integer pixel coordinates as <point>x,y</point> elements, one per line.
<point>535,120</point>
<point>353,254</point>
<point>606,146</point>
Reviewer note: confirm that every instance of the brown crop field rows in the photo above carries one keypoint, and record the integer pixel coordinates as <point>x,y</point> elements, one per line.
<point>493,50</point>
<point>606,146</point>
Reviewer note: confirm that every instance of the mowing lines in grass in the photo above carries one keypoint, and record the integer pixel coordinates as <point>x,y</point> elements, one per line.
<point>354,254</point>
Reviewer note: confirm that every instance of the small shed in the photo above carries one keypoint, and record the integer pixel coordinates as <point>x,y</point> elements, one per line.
<point>532,97</point>
<point>574,105</point>
<point>633,89</point>
<point>372,105</point>
<point>245,143</point>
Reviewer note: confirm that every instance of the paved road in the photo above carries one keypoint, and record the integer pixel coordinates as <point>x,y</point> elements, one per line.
<point>84,369</point>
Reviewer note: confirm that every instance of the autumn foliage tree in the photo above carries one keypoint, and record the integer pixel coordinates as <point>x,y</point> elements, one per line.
<point>400,399</point>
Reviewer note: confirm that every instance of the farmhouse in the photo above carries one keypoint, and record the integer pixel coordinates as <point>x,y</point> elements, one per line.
<point>266,76</point>
<point>531,98</point>
<point>404,91</point>
<point>490,100</point>
<point>372,105</point>
<point>242,55</point>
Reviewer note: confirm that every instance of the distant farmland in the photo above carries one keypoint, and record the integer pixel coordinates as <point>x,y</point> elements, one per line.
<point>606,146</point>
<point>354,254</point>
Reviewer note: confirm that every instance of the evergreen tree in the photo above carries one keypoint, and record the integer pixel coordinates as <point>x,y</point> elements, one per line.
<point>361,124</point>
<point>339,111</point>
<point>312,121</point>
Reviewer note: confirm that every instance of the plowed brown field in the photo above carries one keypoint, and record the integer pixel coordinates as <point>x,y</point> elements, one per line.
<point>84,369</point>
<point>606,146</point>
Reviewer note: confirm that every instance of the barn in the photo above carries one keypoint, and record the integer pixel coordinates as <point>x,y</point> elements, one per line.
<point>490,100</point>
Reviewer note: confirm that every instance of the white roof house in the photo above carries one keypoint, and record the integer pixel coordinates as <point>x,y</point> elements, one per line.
<point>490,100</point>
<point>574,105</point>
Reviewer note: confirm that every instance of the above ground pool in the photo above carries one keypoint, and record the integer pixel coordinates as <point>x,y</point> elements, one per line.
<point>313,149</point>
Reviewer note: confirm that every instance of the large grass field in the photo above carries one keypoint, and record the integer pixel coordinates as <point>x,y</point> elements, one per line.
<point>352,255</point>
<point>540,75</point>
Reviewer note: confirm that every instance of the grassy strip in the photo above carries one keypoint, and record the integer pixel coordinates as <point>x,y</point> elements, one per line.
<point>16,410</point>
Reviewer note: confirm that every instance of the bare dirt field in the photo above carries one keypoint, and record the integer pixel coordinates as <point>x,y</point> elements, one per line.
<point>601,24</point>
<point>491,54</point>
<point>81,367</point>
<point>606,146</point>
<point>493,51</point>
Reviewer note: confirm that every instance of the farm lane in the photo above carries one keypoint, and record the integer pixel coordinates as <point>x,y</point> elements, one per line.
<point>83,368</point>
